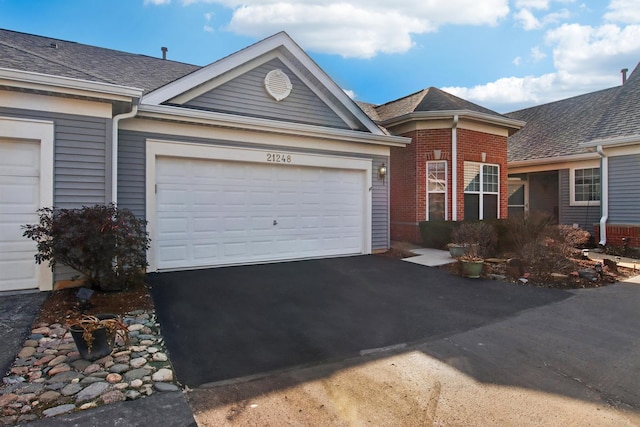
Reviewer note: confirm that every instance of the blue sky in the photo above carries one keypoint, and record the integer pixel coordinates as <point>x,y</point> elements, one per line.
<point>504,55</point>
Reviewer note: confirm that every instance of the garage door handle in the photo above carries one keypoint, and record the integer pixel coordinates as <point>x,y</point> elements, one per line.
<point>275,222</point>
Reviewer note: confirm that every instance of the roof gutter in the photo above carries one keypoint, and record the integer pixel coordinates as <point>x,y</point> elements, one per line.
<point>454,168</point>
<point>604,194</point>
<point>114,148</point>
<point>446,114</point>
<point>232,121</point>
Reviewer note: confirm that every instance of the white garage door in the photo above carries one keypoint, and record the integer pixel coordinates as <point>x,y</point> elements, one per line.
<point>19,200</point>
<point>220,212</point>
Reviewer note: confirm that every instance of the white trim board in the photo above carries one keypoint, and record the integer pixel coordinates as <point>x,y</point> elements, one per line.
<point>43,132</point>
<point>156,148</point>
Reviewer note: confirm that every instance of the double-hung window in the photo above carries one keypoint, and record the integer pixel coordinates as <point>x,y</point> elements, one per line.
<point>481,190</point>
<point>585,187</point>
<point>436,190</point>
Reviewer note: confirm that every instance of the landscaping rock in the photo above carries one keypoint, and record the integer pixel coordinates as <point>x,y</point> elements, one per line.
<point>58,410</point>
<point>92,391</point>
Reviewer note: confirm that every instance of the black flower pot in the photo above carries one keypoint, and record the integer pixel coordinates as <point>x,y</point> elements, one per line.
<point>103,340</point>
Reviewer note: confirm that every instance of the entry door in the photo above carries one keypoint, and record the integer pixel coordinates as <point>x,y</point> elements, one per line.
<point>518,198</point>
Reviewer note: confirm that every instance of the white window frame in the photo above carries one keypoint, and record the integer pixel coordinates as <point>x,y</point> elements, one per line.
<point>572,188</point>
<point>446,188</point>
<point>482,192</point>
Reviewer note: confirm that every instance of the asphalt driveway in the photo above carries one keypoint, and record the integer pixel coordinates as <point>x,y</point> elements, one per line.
<point>231,322</point>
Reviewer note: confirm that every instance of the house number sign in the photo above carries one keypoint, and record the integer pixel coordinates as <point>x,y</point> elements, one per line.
<point>279,158</point>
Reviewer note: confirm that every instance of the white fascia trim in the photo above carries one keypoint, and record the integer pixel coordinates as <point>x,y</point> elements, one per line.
<point>553,160</point>
<point>67,85</point>
<point>449,114</point>
<point>613,142</point>
<point>165,112</point>
<point>239,58</point>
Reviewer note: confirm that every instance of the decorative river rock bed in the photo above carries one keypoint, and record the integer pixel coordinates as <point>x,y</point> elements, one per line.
<point>49,378</point>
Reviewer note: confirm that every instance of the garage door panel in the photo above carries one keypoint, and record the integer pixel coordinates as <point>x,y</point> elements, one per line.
<point>224,212</point>
<point>19,201</point>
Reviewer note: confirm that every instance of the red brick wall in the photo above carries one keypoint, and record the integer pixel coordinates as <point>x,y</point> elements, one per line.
<point>615,233</point>
<point>407,174</point>
<point>471,145</point>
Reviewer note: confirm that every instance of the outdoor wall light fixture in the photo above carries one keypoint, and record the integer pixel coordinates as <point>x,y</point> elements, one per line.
<point>382,172</point>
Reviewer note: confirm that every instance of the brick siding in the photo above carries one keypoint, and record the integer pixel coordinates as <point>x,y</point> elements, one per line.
<point>407,171</point>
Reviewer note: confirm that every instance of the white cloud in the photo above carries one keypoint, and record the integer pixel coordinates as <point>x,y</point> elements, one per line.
<point>517,61</point>
<point>532,4</point>
<point>585,59</point>
<point>351,94</point>
<point>525,18</point>
<point>208,16</point>
<point>157,2</point>
<point>356,28</point>
<point>537,55</point>
<point>625,11</point>
<point>529,22</point>
<point>208,28</point>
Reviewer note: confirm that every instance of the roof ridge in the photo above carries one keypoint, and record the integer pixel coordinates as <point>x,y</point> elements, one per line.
<point>565,99</point>
<point>404,97</point>
<point>30,52</point>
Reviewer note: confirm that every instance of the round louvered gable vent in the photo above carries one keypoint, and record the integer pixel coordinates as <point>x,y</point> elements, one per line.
<point>277,84</point>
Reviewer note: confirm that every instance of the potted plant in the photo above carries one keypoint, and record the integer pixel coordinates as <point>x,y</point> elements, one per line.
<point>456,250</point>
<point>479,239</point>
<point>95,335</point>
<point>472,263</point>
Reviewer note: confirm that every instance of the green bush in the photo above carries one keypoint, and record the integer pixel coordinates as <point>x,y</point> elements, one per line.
<point>436,234</point>
<point>104,243</point>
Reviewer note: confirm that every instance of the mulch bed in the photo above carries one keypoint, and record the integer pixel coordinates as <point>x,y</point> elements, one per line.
<point>499,268</point>
<point>63,305</point>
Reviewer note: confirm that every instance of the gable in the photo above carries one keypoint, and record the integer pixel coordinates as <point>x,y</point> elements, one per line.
<point>246,95</point>
<point>316,92</point>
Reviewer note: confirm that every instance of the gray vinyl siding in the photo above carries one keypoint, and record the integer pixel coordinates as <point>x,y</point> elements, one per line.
<point>80,153</point>
<point>246,95</point>
<point>131,178</point>
<point>585,216</point>
<point>80,162</point>
<point>624,189</point>
<point>380,207</point>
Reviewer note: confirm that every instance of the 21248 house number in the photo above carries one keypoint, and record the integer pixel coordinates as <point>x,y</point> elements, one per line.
<point>278,158</point>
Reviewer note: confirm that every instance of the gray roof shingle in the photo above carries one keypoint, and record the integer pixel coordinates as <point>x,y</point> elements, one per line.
<point>623,118</point>
<point>558,128</point>
<point>27,52</point>
<point>427,100</point>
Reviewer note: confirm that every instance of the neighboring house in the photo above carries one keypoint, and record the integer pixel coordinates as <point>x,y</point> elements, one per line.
<point>257,157</point>
<point>456,165</point>
<point>578,159</point>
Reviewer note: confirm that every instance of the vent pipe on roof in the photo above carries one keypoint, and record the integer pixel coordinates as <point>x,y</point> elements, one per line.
<point>624,75</point>
<point>53,45</point>
<point>164,52</point>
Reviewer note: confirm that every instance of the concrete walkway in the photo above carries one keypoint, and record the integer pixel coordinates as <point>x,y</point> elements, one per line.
<point>430,257</point>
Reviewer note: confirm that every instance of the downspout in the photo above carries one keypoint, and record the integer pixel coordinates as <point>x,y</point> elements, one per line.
<point>454,169</point>
<point>114,148</point>
<point>604,194</point>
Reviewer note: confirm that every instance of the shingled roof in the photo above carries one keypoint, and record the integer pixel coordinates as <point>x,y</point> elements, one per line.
<point>46,55</point>
<point>426,100</point>
<point>558,128</point>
